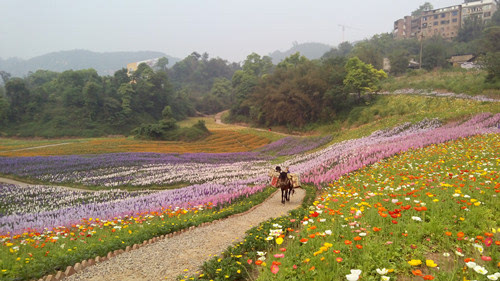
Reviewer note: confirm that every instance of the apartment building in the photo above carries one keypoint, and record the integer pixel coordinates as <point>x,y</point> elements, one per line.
<point>483,9</point>
<point>445,22</point>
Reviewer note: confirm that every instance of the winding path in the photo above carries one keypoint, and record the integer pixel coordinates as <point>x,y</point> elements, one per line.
<point>171,257</point>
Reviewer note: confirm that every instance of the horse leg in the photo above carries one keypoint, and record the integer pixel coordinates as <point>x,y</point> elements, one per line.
<point>288,194</point>
<point>283,196</point>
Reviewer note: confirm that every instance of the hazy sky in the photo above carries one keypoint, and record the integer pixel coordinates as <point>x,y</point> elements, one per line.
<point>230,29</point>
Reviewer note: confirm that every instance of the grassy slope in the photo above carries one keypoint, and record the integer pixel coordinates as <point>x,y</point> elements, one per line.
<point>471,82</point>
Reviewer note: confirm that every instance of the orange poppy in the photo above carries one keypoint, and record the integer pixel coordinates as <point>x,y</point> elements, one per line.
<point>417,272</point>
<point>348,242</point>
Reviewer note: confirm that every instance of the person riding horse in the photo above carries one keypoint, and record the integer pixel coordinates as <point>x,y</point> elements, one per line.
<point>285,185</point>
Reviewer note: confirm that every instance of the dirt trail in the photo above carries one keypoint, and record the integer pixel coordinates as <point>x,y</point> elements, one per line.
<point>169,258</point>
<point>36,147</point>
<point>23,184</point>
<point>218,120</point>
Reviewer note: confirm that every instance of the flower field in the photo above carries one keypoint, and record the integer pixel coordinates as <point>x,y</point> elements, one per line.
<point>45,228</point>
<point>220,141</point>
<point>425,214</point>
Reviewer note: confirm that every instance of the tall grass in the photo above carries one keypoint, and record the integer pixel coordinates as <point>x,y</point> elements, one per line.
<point>456,80</point>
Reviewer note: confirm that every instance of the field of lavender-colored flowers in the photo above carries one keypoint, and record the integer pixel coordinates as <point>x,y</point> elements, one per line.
<point>215,178</point>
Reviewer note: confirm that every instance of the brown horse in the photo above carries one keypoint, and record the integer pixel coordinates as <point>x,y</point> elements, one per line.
<point>286,187</point>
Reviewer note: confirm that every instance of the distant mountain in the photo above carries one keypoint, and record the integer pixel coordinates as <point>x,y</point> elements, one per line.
<point>309,50</point>
<point>105,63</point>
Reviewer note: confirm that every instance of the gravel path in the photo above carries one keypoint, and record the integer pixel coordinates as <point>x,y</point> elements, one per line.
<point>168,258</point>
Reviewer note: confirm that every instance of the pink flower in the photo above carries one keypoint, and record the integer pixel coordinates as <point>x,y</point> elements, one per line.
<point>488,241</point>
<point>486,258</point>
<point>274,269</point>
<point>279,255</point>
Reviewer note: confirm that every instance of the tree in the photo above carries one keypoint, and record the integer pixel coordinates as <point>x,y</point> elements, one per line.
<point>19,97</point>
<point>4,110</point>
<point>292,61</point>
<point>435,52</point>
<point>92,93</point>
<point>369,53</point>
<point>399,61</point>
<point>257,65</point>
<point>126,92</point>
<point>162,63</point>
<point>471,29</point>
<point>362,77</point>
<point>491,62</point>
<point>422,8</point>
<point>5,76</point>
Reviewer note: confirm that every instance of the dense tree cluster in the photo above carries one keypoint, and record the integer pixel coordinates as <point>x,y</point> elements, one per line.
<point>295,92</point>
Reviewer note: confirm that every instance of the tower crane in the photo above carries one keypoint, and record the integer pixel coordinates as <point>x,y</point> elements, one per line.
<point>343,29</point>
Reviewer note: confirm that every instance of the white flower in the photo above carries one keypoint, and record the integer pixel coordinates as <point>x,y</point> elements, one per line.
<point>363,234</point>
<point>416,218</point>
<point>328,232</point>
<point>261,253</point>
<point>478,247</point>
<point>446,254</point>
<point>354,275</point>
<point>356,271</point>
<point>481,270</point>
<point>385,278</point>
<point>459,254</point>
<point>382,271</point>
<point>322,220</point>
<point>492,277</point>
<point>470,264</point>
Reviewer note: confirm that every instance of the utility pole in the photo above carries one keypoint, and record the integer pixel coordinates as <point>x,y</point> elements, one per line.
<point>421,47</point>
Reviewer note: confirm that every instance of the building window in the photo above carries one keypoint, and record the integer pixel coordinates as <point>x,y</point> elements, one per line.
<point>425,18</point>
<point>424,25</point>
<point>443,15</point>
<point>454,13</point>
<point>487,14</point>
<point>454,20</point>
<point>436,23</point>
